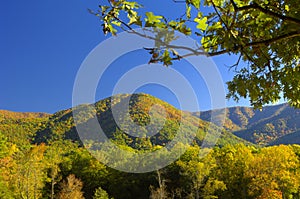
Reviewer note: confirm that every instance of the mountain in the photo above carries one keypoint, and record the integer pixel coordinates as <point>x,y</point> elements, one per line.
<point>261,127</point>
<point>149,122</point>
<point>21,128</point>
<point>292,138</point>
<point>4,114</point>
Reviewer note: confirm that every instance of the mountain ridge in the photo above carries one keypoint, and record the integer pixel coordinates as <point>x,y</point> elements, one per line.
<point>141,112</point>
<point>259,127</point>
<point>7,114</point>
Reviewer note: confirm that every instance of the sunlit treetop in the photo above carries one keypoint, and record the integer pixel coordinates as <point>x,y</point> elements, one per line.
<point>265,34</point>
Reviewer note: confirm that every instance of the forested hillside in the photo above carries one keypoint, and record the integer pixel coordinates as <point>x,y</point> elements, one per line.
<point>261,126</point>
<point>62,123</point>
<point>41,156</point>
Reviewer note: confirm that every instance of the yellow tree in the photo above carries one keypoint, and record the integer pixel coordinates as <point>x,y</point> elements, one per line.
<point>30,174</point>
<point>233,163</point>
<point>197,169</point>
<point>274,173</point>
<point>7,165</point>
<point>71,188</point>
<point>54,157</point>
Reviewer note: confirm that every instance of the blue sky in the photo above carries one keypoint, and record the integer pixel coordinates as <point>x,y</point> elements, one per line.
<point>43,43</point>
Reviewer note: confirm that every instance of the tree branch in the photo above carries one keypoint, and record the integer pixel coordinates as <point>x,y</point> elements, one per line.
<point>179,1</point>
<point>264,10</point>
<point>272,40</point>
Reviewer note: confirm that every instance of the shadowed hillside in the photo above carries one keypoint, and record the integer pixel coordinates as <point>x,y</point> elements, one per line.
<point>261,127</point>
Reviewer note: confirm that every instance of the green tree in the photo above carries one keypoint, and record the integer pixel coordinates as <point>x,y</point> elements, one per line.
<point>100,194</point>
<point>264,34</point>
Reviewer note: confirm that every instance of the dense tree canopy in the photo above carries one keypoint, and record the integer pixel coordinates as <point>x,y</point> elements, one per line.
<point>62,168</point>
<point>265,34</point>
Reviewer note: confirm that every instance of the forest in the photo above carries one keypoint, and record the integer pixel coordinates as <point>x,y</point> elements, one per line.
<point>42,157</point>
<point>61,169</point>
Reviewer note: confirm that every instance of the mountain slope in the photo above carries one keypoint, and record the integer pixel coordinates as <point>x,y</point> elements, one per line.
<point>261,127</point>
<point>4,114</point>
<point>155,115</point>
<point>149,122</point>
<point>21,128</point>
<point>292,138</point>
<point>155,122</point>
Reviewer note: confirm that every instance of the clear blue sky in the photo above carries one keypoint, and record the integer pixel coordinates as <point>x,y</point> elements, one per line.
<point>44,42</point>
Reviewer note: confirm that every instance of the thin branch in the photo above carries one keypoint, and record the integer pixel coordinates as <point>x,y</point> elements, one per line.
<point>235,7</point>
<point>236,64</point>
<point>220,17</point>
<point>179,1</point>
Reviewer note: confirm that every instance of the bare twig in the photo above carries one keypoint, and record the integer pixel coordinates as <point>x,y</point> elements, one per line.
<point>236,64</point>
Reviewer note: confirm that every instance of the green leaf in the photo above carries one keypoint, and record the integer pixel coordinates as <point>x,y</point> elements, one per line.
<point>195,3</point>
<point>166,58</point>
<point>112,30</point>
<point>215,26</point>
<point>117,23</point>
<point>104,8</point>
<point>287,8</point>
<point>202,23</point>
<point>152,19</point>
<point>188,11</point>
<point>185,30</point>
<point>173,24</point>
<point>134,19</point>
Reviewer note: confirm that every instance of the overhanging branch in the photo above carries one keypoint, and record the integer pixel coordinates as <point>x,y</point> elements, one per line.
<point>275,39</point>
<point>266,11</point>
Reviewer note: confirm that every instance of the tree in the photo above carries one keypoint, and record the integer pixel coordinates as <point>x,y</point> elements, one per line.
<point>233,163</point>
<point>197,171</point>
<point>265,34</point>
<point>100,194</point>
<point>7,149</point>
<point>30,175</point>
<point>161,191</point>
<point>55,155</point>
<point>71,188</point>
<point>274,173</point>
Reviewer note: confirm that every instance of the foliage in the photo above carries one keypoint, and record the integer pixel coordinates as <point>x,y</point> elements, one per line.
<point>260,32</point>
<point>44,170</point>
<point>71,188</point>
<point>100,194</point>
<point>28,173</point>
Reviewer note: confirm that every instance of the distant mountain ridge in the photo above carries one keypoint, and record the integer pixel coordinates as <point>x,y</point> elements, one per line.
<point>21,115</point>
<point>261,127</point>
